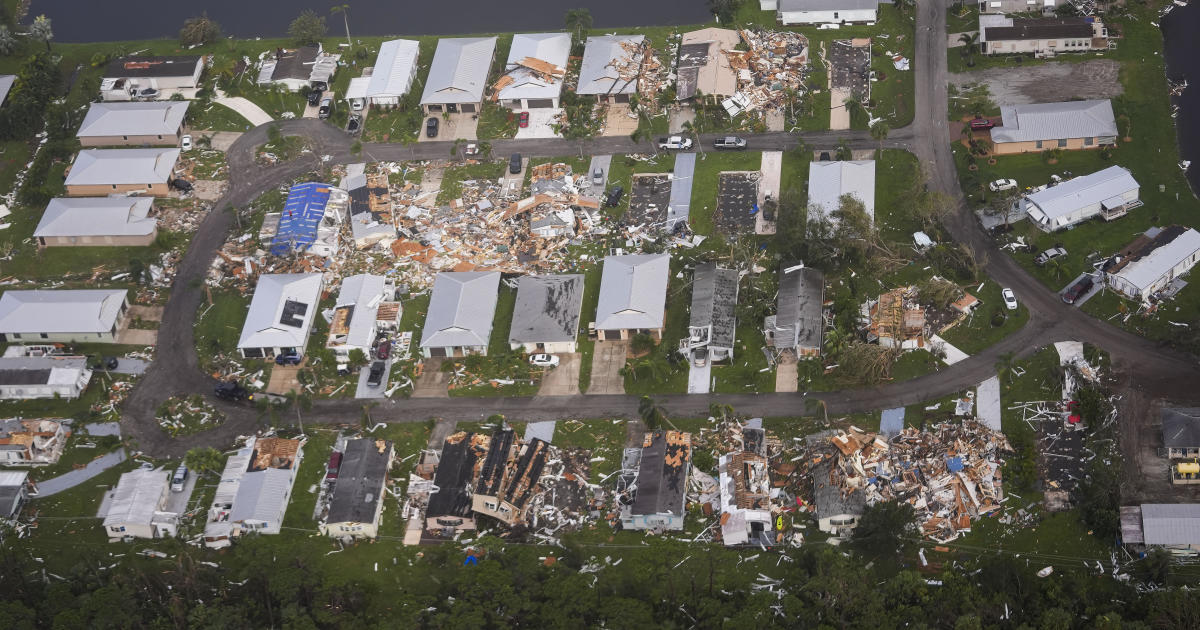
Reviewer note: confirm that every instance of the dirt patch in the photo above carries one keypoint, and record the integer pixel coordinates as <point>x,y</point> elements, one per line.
<point>648,200</point>
<point>1147,470</point>
<point>1047,83</point>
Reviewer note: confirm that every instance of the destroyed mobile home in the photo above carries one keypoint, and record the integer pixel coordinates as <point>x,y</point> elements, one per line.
<point>524,485</point>
<point>775,64</point>
<point>950,475</point>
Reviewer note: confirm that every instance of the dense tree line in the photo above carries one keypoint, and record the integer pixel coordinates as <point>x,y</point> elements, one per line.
<point>512,586</point>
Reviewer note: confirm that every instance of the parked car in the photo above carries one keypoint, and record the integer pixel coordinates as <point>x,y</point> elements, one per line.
<point>1002,184</point>
<point>675,143</point>
<point>109,363</point>
<point>375,376</point>
<point>355,124</point>
<point>700,357</point>
<point>729,142</point>
<point>320,85</point>
<point>523,120</point>
<point>357,104</point>
<point>1010,299</point>
<point>431,127</point>
<point>148,93</point>
<point>231,390</point>
<point>514,163</point>
<point>1078,290</point>
<point>288,358</point>
<point>598,177</point>
<point>981,124</point>
<point>543,360</point>
<point>383,349</point>
<point>1048,255</point>
<point>314,97</point>
<point>185,143</point>
<point>326,108</point>
<point>614,196</point>
<point>182,185</point>
<point>335,464</point>
<point>179,479</point>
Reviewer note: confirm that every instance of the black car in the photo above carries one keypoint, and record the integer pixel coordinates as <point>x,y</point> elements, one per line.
<point>431,126</point>
<point>354,124</point>
<point>320,86</point>
<point>182,185</point>
<point>148,93</point>
<point>375,376</point>
<point>103,363</point>
<point>614,196</point>
<point>514,163</point>
<point>231,390</point>
<point>1078,290</point>
<point>314,97</point>
<point>288,358</point>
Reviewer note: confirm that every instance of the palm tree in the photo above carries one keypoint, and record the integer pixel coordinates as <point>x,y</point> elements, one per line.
<point>344,9</point>
<point>578,21</point>
<point>853,106</point>
<point>689,128</point>
<point>880,131</point>
<point>970,43</point>
<point>1005,364</point>
<point>8,41</point>
<point>40,30</point>
<point>836,340</point>
<point>651,413</point>
<point>810,405</point>
<point>903,5</point>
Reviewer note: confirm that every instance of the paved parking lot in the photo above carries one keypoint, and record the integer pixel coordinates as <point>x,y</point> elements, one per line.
<point>607,361</point>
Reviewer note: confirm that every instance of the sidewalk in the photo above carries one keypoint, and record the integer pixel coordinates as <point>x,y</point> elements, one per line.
<point>251,112</point>
<point>69,480</point>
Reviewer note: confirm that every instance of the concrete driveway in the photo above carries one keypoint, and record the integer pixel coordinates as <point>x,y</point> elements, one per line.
<point>541,123</point>
<point>564,379</point>
<point>607,361</point>
<point>366,391</point>
<point>433,382</point>
<point>283,379</point>
<point>1097,286</point>
<point>602,162</point>
<point>514,183</point>
<point>127,365</point>
<point>699,378</point>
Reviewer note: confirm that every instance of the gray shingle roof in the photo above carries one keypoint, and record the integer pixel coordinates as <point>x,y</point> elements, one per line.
<point>547,309</point>
<point>714,300</point>
<point>662,485</point>
<point>395,67</point>
<point>1181,427</point>
<point>97,216</point>
<point>598,75</point>
<point>1054,121</point>
<point>633,292</point>
<point>1171,523</point>
<point>361,477</point>
<point>60,310</point>
<point>158,118</point>
<point>122,166</point>
<point>461,309</point>
<point>460,70</point>
<point>41,370</point>
<point>1042,28</point>
<point>830,497</point>
<point>798,319</point>
<point>152,66</point>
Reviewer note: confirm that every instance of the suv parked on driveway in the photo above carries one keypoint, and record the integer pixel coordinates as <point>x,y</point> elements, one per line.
<point>1078,290</point>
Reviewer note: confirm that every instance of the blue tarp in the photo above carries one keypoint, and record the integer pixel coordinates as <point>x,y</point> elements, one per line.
<point>302,213</point>
<point>954,464</point>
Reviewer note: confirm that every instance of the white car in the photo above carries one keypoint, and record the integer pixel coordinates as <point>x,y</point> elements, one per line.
<point>185,143</point>
<point>544,360</point>
<point>1010,299</point>
<point>1003,184</point>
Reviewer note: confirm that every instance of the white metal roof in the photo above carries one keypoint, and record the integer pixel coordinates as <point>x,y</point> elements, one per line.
<point>828,181</point>
<point>1056,121</point>
<point>552,48</point>
<point>262,495</point>
<point>6,83</point>
<point>633,292</point>
<point>155,118</point>
<point>136,497</point>
<point>97,216</point>
<point>9,478</point>
<point>395,67</point>
<point>364,292</point>
<point>461,309</point>
<point>459,71</point>
<point>122,166</point>
<point>265,327</point>
<point>1146,270</point>
<point>1057,202</point>
<point>60,310</point>
<point>598,74</point>
<point>1171,523</point>
<point>357,88</point>
<point>827,5</point>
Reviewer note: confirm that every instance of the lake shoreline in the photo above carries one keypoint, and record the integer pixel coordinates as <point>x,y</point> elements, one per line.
<point>1181,50</point>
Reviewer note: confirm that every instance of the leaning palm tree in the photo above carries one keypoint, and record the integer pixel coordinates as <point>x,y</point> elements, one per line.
<point>879,131</point>
<point>651,413</point>
<point>40,30</point>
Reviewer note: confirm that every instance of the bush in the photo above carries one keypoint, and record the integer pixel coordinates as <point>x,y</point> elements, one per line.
<point>199,30</point>
<point>998,317</point>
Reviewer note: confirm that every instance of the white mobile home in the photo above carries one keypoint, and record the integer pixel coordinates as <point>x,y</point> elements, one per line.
<point>1109,194</point>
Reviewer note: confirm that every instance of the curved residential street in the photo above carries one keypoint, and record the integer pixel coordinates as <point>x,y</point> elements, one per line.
<point>1154,370</point>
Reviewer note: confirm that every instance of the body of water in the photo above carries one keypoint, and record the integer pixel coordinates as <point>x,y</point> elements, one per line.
<point>1181,33</point>
<point>115,20</point>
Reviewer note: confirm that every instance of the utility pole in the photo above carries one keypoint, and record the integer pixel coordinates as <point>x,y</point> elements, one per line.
<point>345,11</point>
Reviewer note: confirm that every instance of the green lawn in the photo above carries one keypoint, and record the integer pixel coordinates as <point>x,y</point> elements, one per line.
<point>496,122</point>
<point>748,372</point>
<point>705,181</point>
<point>604,438</point>
<point>976,333</point>
<point>586,346</point>
<point>219,326</point>
<point>216,117</point>
<point>14,155</point>
<point>456,175</point>
<point>675,377</point>
<point>501,362</point>
<point>915,363</point>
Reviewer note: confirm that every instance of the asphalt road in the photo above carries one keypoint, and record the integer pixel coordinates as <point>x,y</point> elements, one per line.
<point>1154,370</point>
